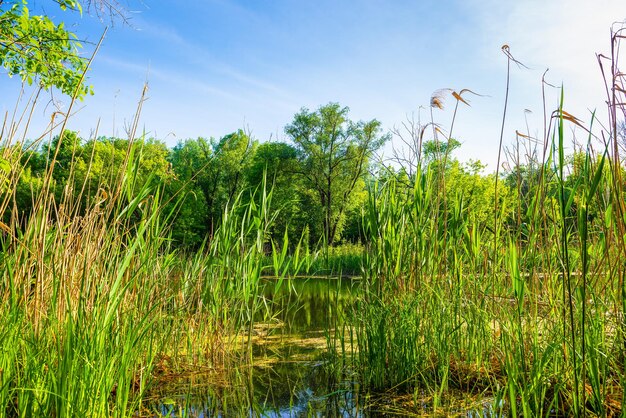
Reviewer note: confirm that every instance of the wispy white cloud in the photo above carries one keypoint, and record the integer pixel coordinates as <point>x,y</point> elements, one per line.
<point>201,57</point>
<point>177,78</point>
<point>562,35</point>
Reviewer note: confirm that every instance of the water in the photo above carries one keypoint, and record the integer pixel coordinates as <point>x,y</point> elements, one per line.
<point>294,372</point>
<point>292,375</point>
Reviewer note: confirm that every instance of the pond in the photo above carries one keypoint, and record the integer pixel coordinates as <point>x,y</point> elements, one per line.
<point>292,374</point>
<point>302,346</point>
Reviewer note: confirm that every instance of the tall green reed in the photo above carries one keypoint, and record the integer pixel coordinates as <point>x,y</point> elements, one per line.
<point>527,303</point>
<point>100,306</point>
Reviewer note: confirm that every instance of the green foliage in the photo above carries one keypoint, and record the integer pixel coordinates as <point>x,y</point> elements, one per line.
<point>83,172</point>
<point>35,48</point>
<point>434,151</point>
<point>209,174</point>
<point>278,163</point>
<point>92,301</point>
<point>526,313</point>
<point>474,191</point>
<point>443,297</point>
<point>334,154</point>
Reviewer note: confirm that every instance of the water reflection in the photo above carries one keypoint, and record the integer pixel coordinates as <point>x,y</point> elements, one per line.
<point>311,305</point>
<point>297,372</point>
<point>292,374</point>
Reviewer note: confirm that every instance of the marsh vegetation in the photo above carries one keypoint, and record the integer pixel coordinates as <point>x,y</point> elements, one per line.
<point>307,277</point>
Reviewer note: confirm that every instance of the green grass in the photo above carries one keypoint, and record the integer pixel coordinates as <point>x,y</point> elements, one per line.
<point>93,296</point>
<point>526,306</point>
<point>547,328</point>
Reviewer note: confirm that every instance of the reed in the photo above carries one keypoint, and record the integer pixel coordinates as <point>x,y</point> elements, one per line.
<point>522,304</point>
<point>97,304</point>
<point>526,305</point>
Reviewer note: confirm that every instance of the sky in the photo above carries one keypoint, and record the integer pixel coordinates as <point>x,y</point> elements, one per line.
<point>215,66</point>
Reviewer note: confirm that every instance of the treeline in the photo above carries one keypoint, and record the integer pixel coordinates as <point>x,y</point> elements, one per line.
<point>319,180</point>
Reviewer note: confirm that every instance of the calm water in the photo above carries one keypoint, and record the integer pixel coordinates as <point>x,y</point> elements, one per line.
<point>292,375</point>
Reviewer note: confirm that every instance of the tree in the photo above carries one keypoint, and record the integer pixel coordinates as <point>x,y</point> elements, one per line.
<point>334,156</point>
<point>69,149</point>
<point>233,154</point>
<point>434,151</point>
<point>278,164</point>
<point>211,174</point>
<point>33,47</point>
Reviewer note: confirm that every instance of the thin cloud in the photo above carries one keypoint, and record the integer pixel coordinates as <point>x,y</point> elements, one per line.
<point>176,78</point>
<point>562,35</point>
<point>205,60</point>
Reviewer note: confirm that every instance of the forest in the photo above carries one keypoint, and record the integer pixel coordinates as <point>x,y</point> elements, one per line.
<point>319,181</point>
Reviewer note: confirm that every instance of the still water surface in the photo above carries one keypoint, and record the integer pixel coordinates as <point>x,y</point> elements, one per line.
<point>292,375</point>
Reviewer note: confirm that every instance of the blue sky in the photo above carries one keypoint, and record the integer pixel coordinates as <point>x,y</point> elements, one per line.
<point>216,66</point>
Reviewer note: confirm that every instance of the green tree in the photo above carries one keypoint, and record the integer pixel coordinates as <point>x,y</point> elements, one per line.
<point>194,180</point>
<point>21,173</point>
<point>70,148</point>
<point>434,151</point>
<point>35,48</point>
<point>210,173</point>
<point>334,156</point>
<point>232,156</point>
<point>278,164</point>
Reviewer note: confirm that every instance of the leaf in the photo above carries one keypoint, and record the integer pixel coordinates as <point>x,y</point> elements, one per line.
<point>459,98</point>
<point>459,95</point>
<point>41,50</point>
<point>568,117</point>
<point>597,176</point>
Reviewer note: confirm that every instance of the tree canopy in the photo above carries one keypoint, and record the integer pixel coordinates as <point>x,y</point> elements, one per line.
<point>36,49</point>
<point>334,155</point>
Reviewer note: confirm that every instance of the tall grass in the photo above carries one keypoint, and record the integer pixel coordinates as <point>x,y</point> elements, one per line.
<point>526,307</point>
<point>96,304</point>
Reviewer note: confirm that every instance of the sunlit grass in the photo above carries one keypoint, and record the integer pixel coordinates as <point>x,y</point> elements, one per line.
<point>527,306</point>
<point>93,294</point>
<point>521,303</point>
